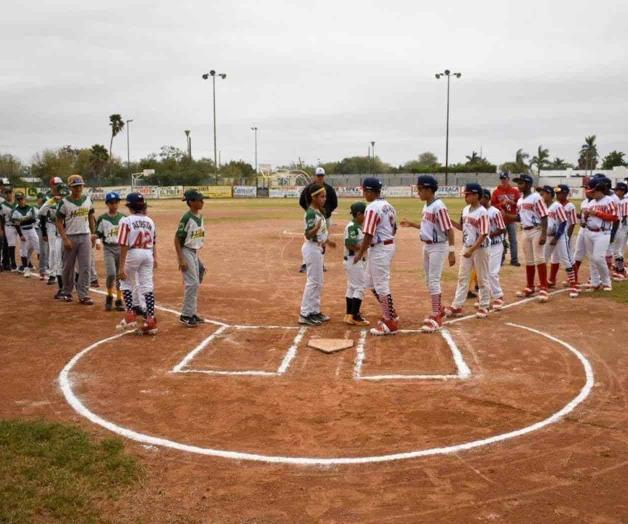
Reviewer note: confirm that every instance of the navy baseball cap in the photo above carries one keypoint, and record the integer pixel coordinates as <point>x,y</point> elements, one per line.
<point>527,179</point>
<point>372,184</point>
<point>621,186</point>
<point>562,188</point>
<point>112,196</point>
<point>599,182</point>
<point>473,188</point>
<point>358,207</point>
<point>504,175</point>
<point>135,198</point>
<point>546,189</point>
<point>427,181</point>
<point>486,193</point>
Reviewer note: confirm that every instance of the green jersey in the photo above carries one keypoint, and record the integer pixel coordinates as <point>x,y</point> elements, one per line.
<point>108,226</point>
<point>191,231</point>
<point>6,210</point>
<point>315,219</point>
<point>75,214</point>
<point>353,237</point>
<point>24,216</point>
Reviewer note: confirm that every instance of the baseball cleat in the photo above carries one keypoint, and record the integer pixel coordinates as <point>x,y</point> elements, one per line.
<point>119,306</point>
<point>308,321</point>
<point>86,301</point>
<point>607,287</point>
<point>481,312</point>
<point>27,272</point>
<point>359,320</point>
<point>95,283</point>
<point>348,319</point>
<point>453,312</point>
<point>303,268</point>
<point>498,304</point>
<point>51,281</point>
<point>66,298</point>
<point>574,293</point>
<point>150,326</point>
<point>199,320</point>
<point>525,293</point>
<point>543,295</point>
<point>188,321</point>
<point>431,324</point>
<point>128,322</point>
<point>385,327</point>
<point>321,317</point>
<point>109,303</point>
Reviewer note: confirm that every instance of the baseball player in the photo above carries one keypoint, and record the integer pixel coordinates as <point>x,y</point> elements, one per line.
<point>356,273</point>
<point>562,193</point>
<point>496,236</point>
<point>77,227</point>
<point>188,240</point>
<point>437,236</point>
<point>43,244</point>
<point>475,255</point>
<point>10,234</point>
<point>621,237</point>
<point>558,246</point>
<point>138,259</point>
<point>532,213</point>
<point>24,218</point>
<point>107,228</point>
<point>380,228</point>
<point>608,191</point>
<point>316,239</point>
<point>599,216</point>
<point>47,221</point>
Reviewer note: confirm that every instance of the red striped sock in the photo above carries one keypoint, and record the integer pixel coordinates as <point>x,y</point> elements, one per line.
<point>571,277</point>
<point>554,272</point>
<point>435,305</point>
<point>576,267</point>
<point>542,269</point>
<point>530,276</point>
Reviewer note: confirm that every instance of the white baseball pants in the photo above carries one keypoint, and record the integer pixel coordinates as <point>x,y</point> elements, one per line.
<point>621,238</point>
<point>139,271</point>
<point>560,253</point>
<point>313,259</point>
<point>478,261</point>
<point>378,265</point>
<point>495,254</point>
<point>434,256</point>
<point>579,252</point>
<point>11,235</point>
<point>596,244</point>
<point>55,251</point>
<point>30,244</point>
<point>533,252</point>
<point>356,278</point>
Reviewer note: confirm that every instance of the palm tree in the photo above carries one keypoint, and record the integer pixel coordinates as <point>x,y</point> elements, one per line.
<point>117,125</point>
<point>473,158</point>
<point>559,163</point>
<point>540,160</point>
<point>98,158</point>
<point>588,154</point>
<point>520,158</point>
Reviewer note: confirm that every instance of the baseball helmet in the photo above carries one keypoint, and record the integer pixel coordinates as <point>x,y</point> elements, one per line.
<point>526,179</point>
<point>319,171</point>
<point>427,181</point>
<point>112,196</point>
<point>371,183</point>
<point>55,180</point>
<point>473,188</point>
<point>358,207</point>
<point>75,180</point>
<point>621,186</point>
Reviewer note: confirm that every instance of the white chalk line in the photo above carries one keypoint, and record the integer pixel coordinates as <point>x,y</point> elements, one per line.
<point>462,370</point>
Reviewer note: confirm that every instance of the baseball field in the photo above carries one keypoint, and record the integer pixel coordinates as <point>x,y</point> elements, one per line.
<point>521,417</point>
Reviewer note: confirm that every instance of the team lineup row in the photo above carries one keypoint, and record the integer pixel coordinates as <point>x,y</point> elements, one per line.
<point>547,220</point>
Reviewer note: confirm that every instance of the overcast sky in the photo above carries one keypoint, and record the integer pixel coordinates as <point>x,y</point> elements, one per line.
<point>320,79</point>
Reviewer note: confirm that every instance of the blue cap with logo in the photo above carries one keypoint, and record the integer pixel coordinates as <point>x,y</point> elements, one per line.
<point>135,198</point>
<point>526,179</point>
<point>546,189</point>
<point>504,175</point>
<point>621,186</point>
<point>563,189</point>
<point>112,196</point>
<point>372,184</point>
<point>427,181</point>
<point>473,188</point>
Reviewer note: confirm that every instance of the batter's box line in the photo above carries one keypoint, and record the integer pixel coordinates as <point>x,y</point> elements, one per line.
<point>183,366</point>
<point>463,371</point>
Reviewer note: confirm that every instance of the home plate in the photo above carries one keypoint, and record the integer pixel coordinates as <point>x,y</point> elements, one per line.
<point>330,345</point>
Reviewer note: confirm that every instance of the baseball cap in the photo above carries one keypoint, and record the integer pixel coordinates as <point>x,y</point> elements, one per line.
<point>621,186</point>
<point>319,171</point>
<point>599,182</point>
<point>112,196</point>
<point>562,188</point>
<point>55,180</point>
<point>473,188</point>
<point>546,189</point>
<point>427,181</point>
<point>372,184</point>
<point>135,198</point>
<point>486,193</point>
<point>19,195</point>
<point>527,179</point>
<point>504,175</point>
<point>358,207</point>
<point>75,180</point>
<point>63,190</point>
<point>192,194</point>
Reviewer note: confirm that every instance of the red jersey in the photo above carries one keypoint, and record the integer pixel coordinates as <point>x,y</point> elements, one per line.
<point>505,199</point>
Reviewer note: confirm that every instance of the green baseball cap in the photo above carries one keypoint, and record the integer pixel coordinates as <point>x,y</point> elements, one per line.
<point>192,194</point>
<point>358,207</point>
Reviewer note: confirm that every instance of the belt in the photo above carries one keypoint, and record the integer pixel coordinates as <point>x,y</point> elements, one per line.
<point>432,242</point>
<point>595,229</point>
<point>349,258</point>
<point>527,228</point>
<point>191,248</point>
<point>495,241</point>
<point>26,228</point>
<point>384,242</point>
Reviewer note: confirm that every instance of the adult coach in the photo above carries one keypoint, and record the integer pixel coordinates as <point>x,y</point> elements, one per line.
<point>505,199</point>
<point>330,204</point>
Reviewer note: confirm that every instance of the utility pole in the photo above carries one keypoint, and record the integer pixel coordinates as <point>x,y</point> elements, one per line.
<point>128,145</point>
<point>206,76</point>
<point>254,129</point>
<point>448,74</point>
<point>189,143</point>
<point>373,156</point>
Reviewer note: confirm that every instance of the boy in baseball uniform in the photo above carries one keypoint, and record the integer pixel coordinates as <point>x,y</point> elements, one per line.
<point>138,259</point>
<point>43,244</point>
<point>380,228</point>
<point>619,244</point>
<point>562,195</point>
<point>437,235</point>
<point>496,237</point>
<point>188,241</point>
<point>316,239</point>
<point>557,248</point>
<point>24,218</point>
<point>107,229</point>
<point>47,221</point>
<point>356,273</point>
<point>475,255</point>
<point>9,232</point>
<point>532,213</point>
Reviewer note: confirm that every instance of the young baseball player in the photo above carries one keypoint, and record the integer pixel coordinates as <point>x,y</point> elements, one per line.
<point>47,218</point>
<point>579,251</point>
<point>138,259</point>
<point>43,244</point>
<point>621,237</point>
<point>599,216</point>
<point>77,227</point>
<point>496,236</point>
<point>558,246</point>
<point>107,228</point>
<point>9,231</point>
<point>437,235</point>
<point>188,240</point>
<point>475,230</point>
<point>356,273</point>
<point>316,239</point>
<point>24,218</point>
<point>562,194</point>
<point>380,228</point>
<point>532,213</point>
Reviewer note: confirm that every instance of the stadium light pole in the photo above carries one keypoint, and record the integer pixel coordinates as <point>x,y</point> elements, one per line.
<point>213,76</point>
<point>128,145</point>
<point>254,129</point>
<point>188,142</point>
<point>448,74</point>
<point>373,156</point>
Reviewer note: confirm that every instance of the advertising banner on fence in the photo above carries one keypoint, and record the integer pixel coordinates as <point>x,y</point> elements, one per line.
<point>397,191</point>
<point>244,191</point>
<point>212,191</point>
<point>349,192</point>
<point>98,193</point>
<point>285,192</point>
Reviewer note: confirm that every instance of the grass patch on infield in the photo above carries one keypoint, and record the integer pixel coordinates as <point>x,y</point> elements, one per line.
<point>51,471</point>
<point>619,293</point>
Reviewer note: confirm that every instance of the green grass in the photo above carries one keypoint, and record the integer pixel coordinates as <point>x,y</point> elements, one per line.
<point>619,293</point>
<point>56,472</point>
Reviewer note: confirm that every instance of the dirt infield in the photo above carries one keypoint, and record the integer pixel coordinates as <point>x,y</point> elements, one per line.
<point>258,390</point>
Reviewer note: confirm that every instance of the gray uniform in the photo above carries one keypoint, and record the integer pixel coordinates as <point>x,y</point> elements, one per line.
<point>191,235</point>
<point>107,228</point>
